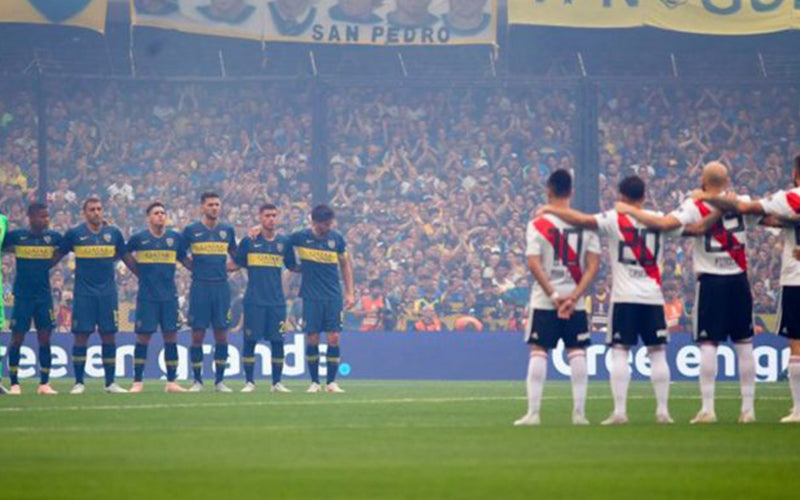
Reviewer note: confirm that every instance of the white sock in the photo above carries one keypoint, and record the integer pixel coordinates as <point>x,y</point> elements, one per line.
<point>708,376</point>
<point>580,380</point>
<point>660,379</point>
<point>747,375</point>
<point>794,381</point>
<point>537,372</point>
<point>620,378</point>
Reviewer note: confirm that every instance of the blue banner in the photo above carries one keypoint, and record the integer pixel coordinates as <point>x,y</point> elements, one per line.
<point>428,356</point>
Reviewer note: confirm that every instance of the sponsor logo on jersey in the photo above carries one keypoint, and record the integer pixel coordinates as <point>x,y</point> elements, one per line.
<point>95,252</point>
<point>210,248</point>
<point>264,260</point>
<point>33,252</point>
<point>156,256</point>
<point>319,256</point>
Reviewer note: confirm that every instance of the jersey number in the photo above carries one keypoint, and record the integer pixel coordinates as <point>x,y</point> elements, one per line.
<point>562,242</point>
<point>643,242</point>
<point>727,243</point>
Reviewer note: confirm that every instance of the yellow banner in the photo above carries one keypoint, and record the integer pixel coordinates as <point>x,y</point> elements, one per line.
<point>34,252</point>
<point>81,13</point>
<point>95,251</point>
<point>264,260</point>
<point>716,17</point>
<point>319,256</point>
<point>156,256</point>
<point>355,22</point>
<point>210,248</point>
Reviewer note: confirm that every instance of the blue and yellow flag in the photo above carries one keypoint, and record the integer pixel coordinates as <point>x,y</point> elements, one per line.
<point>81,13</point>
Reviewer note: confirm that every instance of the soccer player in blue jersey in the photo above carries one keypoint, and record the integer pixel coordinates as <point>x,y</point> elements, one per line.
<point>264,303</point>
<point>209,242</point>
<point>33,249</point>
<point>322,255</point>
<point>97,247</point>
<point>156,251</point>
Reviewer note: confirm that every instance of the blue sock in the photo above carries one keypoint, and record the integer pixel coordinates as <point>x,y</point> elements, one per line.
<point>196,355</point>
<point>171,360</point>
<point>220,361</point>
<point>277,361</point>
<point>78,362</point>
<point>312,356</point>
<point>109,362</point>
<point>13,364</point>
<point>249,359</point>
<point>139,360</point>
<point>332,361</point>
<point>45,362</point>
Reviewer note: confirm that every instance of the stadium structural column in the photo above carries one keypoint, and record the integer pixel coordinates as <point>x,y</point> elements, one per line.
<point>319,142</point>
<point>41,115</point>
<point>587,191</point>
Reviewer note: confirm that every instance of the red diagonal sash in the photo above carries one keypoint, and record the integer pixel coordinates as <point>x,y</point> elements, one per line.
<point>725,238</point>
<point>794,201</point>
<point>547,229</point>
<point>641,252</point>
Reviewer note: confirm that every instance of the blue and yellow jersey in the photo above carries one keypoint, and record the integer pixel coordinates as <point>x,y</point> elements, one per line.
<point>320,263</point>
<point>156,259</point>
<point>209,249</point>
<point>264,260</point>
<point>95,256</point>
<point>34,253</point>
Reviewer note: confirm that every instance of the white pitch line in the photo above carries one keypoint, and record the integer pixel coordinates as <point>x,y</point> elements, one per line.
<point>160,406</point>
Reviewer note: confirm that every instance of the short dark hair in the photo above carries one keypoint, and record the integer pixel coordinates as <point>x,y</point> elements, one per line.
<point>153,205</point>
<point>560,183</point>
<point>322,213</point>
<point>207,196</point>
<point>35,208</point>
<point>91,199</point>
<point>267,206</point>
<point>632,187</point>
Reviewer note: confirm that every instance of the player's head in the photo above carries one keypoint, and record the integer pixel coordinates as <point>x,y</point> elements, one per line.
<point>156,215</point>
<point>715,176</point>
<point>796,170</point>
<point>631,189</point>
<point>559,184</point>
<point>210,204</point>
<point>93,210</point>
<point>268,216</point>
<point>38,216</point>
<point>322,219</point>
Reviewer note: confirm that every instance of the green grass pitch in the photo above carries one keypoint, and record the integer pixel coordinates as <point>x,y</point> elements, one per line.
<point>393,439</point>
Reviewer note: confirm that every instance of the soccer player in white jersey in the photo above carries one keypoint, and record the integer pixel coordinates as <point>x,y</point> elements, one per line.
<point>782,209</point>
<point>564,260</point>
<point>723,302</point>
<point>637,302</point>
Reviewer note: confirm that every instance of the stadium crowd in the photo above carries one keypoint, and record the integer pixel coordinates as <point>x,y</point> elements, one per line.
<point>433,187</point>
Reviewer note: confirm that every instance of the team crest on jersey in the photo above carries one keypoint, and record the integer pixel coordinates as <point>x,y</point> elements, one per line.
<point>107,238</point>
<point>48,239</point>
<point>170,241</point>
<point>223,234</point>
<point>331,244</point>
<point>280,247</point>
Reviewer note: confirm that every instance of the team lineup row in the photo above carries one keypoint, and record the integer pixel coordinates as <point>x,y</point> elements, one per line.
<point>563,250</point>
<point>208,248</point>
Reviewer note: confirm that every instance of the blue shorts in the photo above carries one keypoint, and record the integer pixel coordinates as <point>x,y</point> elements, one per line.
<point>90,313</point>
<point>38,310</point>
<point>150,315</point>
<point>209,305</point>
<point>323,315</point>
<point>264,322</point>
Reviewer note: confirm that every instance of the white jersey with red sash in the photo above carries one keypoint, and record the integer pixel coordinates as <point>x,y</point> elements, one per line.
<point>723,249</point>
<point>562,249</point>
<point>637,254</point>
<point>787,204</point>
